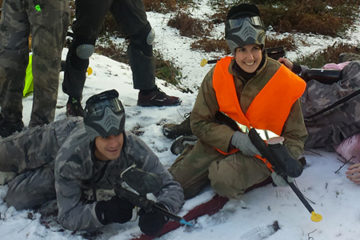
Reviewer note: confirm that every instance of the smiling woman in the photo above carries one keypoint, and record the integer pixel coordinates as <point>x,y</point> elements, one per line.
<point>249,57</point>
<point>252,91</point>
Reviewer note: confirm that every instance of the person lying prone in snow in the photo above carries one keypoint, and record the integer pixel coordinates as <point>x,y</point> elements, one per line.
<point>71,160</point>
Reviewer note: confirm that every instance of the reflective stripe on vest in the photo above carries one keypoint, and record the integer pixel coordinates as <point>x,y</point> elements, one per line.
<point>269,109</point>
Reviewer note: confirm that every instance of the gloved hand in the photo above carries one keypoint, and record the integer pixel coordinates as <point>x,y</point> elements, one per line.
<point>279,181</point>
<point>114,210</point>
<point>152,222</point>
<point>243,143</point>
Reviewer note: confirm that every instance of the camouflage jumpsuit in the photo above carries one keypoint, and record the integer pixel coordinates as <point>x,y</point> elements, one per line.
<point>332,127</point>
<point>47,25</point>
<point>57,161</point>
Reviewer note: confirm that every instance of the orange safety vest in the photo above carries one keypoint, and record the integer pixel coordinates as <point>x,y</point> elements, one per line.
<point>271,106</point>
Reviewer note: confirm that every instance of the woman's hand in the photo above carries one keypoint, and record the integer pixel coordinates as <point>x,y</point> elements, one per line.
<point>286,62</point>
<point>353,173</point>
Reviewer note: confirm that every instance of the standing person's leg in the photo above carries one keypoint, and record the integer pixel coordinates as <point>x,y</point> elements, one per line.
<point>48,30</point>
<point>90,16</point>
<point>14,32</point>
<point>131,17</point>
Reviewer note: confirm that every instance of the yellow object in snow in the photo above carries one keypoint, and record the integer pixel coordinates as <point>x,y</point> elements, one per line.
<point>315,217</point>
<point>29,86</point>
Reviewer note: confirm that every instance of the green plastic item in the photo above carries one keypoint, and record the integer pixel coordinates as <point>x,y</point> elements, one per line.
<point>29,86</point>
<point>38,8</point>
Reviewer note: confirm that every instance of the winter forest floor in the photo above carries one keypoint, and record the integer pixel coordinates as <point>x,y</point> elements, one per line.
<point>249,218</point>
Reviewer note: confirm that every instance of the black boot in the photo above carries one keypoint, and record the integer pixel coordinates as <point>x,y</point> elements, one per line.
<point>180,144</point>
<point>74,108</point>
<point>7,128</point>
<point>156,97</point>
<point>172,130</point>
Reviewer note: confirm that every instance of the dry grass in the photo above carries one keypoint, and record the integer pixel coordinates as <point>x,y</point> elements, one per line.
<point>288,43</point>
<point>189,26</point>
<point>167,6</point>
<point>329,55</point>
<point>164,69</point>
<point>327,17</point>
<point>211,45</point>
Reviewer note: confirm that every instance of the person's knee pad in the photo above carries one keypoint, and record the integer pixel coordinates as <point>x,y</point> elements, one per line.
<point>150,37</point>
<point>143,40</point>
<point>84,51</point>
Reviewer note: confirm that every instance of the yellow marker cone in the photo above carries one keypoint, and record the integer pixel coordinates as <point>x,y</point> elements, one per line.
<point>203,62</point>
<point>315,217</point>
<point>89,71</point>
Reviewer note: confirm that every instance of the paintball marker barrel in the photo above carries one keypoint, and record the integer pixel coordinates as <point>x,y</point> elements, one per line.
<point>284,166</point>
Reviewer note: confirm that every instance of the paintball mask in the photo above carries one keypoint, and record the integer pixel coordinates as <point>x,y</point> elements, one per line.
<point>244,26</point>
<point>104,115</point>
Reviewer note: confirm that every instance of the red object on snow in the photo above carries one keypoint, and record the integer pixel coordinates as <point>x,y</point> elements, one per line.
<point>210,207</point>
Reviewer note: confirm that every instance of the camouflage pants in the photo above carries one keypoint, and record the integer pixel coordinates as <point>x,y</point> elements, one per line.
<point>229,176</point>
<point>30,155</point>
<point>48,28</point>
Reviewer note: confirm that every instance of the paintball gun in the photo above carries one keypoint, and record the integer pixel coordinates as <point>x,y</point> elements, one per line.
<point>273,52</point>
<point>325,76</point>
<point>137,184</point>
<point>278,159</point>
<point>148,205</point>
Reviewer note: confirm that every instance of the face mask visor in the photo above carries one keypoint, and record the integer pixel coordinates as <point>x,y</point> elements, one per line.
<point>239,22</point>
<point>97,109</point>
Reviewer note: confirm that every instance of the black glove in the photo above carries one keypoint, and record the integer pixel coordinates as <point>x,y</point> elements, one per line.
<point>114,210</point>
<point>151,222</point>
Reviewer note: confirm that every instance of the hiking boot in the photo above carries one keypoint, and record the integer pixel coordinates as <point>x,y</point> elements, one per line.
<point>172,130</point>
<point>74,108</point>
<point>7,128</point>
<point>157,98</point>
<point>180,144</point>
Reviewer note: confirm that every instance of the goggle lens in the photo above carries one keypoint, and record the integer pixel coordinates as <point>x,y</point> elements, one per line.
<point>238,22</point>
<point>97,109</point>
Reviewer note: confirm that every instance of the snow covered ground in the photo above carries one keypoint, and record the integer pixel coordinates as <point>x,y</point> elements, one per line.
<point>330,193</point>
